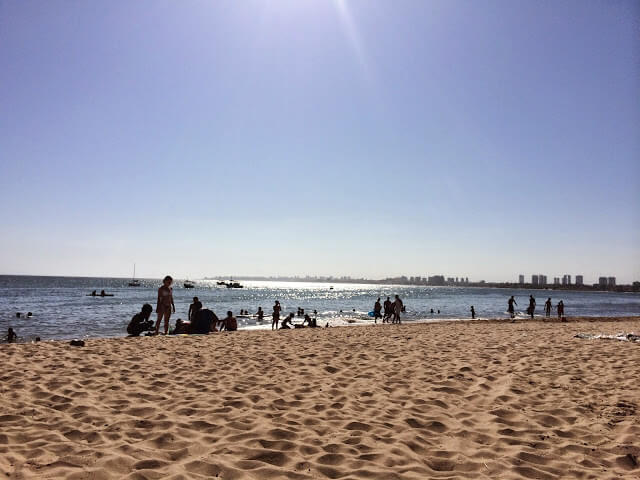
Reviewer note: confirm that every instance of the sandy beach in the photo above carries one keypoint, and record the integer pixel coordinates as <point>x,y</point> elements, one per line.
<point>486,399</point>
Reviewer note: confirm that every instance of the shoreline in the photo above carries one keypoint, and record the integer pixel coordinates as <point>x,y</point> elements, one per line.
<point>266,326</point>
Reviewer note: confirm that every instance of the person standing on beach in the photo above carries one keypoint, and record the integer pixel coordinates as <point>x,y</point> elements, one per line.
<point>192,308</point>
<point>547,307</point>
<point>532,305</point>
<point>560,308</point>
<point>276,315</point>
<point>387,310</point>
<point>377,308</point>
<point>165,304</point>
<point>473,312</point>
<point>510,309</point>
<point>397,309</point>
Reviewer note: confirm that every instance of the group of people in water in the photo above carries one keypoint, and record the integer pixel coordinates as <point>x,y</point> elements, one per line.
<point>392,310</point>
<point>511,303</point>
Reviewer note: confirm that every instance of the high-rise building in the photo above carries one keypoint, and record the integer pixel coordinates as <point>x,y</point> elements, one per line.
<point>556,280</point>
<point>534,279</point>
<point>566,280</point>
<point>521,279</point>
<point>611,282</point>
<point>602,281</point>
<point>579,280</point>
<point>542,279</point>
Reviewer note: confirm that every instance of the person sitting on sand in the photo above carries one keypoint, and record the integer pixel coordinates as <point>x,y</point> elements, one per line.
<point>260,314</point>
<point>192,307</point>
<point>276,315</point>
<point>377,309</point>
<point>230,324</point>
<point>11,336</point>
<point>140,321</point>
<point>181,328</point>
<point>287,322</point>
<point>311,322</point>
<point>165,304</point>
<point>547,307</point>
<point>203,321</point>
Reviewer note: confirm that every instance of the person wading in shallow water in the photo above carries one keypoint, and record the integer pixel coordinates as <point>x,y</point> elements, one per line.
<point>532,305</point>
<point>547,307</point>
<point>377,308</point>
<point>165,304</point>
<point>397,309</point>
<point>510,309</point>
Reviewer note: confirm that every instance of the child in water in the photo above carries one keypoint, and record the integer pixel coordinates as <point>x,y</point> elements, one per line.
<point>165,304</point>
<point>11,336</point>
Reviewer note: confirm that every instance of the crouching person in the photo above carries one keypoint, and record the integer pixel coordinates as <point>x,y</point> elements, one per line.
<point>141,321</point>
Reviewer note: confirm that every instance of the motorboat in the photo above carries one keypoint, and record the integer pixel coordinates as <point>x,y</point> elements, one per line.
<point>188,284</point>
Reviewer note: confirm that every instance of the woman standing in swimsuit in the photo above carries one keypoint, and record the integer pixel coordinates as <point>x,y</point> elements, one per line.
<point>276,315</point>
<point>165,304</point>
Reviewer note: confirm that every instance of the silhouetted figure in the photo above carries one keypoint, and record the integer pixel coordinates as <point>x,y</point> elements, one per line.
<point>287,322</point>
<point>397,309</point>
<point>102,293</point>
<point>94,293</point>
<point>141,321</point>
<point>29,314</point>
<point>388,310</point>
<point>260,314</point>
<point>11,336</point>
<point>230,324</point>
<point>547,307</point>
<point>203,321</point>
<point>532,305</point>
<point>560,309</point>
<point>311,322</point>
<point>473,312</point>
<point>438,312</point>
<point>432,311</point>
<point>377,311</point>
<point>192,307</point>
<point>511,309</point>
<point>276,315</point>
<point>18,314</point>
<point>165,304</point>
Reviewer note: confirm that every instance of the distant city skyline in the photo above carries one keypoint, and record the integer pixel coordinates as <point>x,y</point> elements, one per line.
<point>342,137</point>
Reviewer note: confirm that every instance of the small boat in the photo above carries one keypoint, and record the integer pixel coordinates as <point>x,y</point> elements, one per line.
<point>221,283</point>
<point>134,282</point>
<point>234,285</point>
<point>188,284</point>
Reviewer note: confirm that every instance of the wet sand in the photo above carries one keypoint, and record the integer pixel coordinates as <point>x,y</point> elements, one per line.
<point>484,399</point>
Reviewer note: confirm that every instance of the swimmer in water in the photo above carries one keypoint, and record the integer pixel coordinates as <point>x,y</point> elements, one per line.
<point>165,304</point>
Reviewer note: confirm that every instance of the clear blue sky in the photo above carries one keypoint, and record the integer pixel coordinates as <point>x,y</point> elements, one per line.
<point>375,138</point>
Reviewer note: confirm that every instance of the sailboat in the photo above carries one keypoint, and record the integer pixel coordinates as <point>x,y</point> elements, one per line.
<point>134,282</point>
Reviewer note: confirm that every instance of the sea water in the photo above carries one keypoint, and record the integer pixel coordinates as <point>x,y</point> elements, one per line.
<point>62,308</point>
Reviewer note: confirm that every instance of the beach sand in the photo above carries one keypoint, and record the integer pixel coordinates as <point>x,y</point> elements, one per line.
<point>484,399</point>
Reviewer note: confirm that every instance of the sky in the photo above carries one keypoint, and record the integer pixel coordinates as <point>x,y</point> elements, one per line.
<point>367,138</point>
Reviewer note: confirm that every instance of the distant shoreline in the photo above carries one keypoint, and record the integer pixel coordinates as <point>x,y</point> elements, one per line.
<point>623,288</point>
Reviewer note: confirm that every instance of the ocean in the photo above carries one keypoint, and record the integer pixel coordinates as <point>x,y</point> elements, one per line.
<point>62,309</point>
